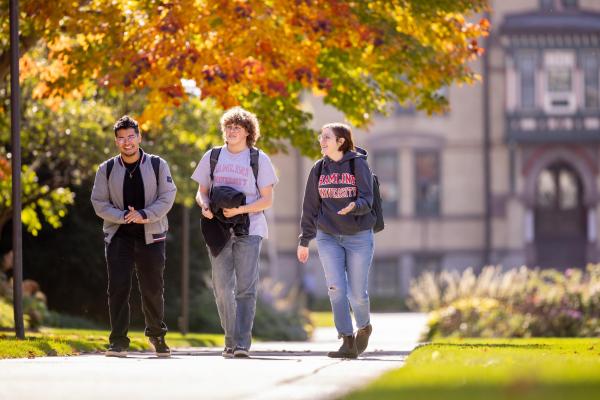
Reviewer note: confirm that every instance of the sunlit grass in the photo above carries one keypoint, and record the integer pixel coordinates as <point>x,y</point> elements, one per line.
<point>493,369</point>
<point>322,319</point>
<point>61,342</point>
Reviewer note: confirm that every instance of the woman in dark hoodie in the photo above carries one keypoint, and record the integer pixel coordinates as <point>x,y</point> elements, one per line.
<point>337,211</point>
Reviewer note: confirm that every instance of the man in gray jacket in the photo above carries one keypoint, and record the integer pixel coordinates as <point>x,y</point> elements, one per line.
<point>133,192</point>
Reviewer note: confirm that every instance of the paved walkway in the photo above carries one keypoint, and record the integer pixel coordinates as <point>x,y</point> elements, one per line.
<point>277,370</point>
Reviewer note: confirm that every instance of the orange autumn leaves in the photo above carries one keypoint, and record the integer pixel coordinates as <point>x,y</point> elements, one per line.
<point>359,54</point>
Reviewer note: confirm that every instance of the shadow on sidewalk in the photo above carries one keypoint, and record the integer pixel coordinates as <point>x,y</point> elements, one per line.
<point>286,354</point>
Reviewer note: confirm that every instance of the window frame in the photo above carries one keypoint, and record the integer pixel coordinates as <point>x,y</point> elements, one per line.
<point>419,211</point>
<point>388,212</point>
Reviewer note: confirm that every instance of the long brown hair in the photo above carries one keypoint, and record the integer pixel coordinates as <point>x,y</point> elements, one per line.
<point>341,131</point>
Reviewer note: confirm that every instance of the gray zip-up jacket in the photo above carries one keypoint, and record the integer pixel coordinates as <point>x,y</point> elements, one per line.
<point>107,198</point>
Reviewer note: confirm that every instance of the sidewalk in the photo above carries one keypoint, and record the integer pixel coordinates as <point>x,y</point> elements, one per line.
<point>277,370</point>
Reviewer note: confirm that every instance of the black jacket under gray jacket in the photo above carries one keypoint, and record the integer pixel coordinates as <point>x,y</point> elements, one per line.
<point>334,189</point>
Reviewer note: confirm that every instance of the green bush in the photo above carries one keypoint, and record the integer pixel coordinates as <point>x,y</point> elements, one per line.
<point>515,303</point>
<point>7,320</point>
<point>34,305</point>
<point>272,324</point>
<point>58,320</point>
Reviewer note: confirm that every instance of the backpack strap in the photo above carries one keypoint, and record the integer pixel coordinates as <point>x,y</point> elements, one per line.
<point>254,154</point>
<point>319,170</point>
<point>214,158</point>
<point>319,167</point>
<point>155,160</point>
<point>109,166</point>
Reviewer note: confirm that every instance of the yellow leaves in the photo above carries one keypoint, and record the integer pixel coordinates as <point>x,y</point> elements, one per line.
<point>31,220</point>
<point>28,67</point>
<point>234,49</point>
<point>158,107</point>
<point>85,40</point>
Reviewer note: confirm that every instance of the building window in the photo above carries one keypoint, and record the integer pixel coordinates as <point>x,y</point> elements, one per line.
<point>526,63</point>
<point>385,165</point>
<point>427,182</point>
<point>590,77</point>
<point>385,278</point>
<point>427,263</point>
<point>551,5</point>
<point>559,79</point>
<point>559,97</point>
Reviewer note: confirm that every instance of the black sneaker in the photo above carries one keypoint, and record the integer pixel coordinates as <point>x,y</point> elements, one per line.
<point>227,352</point>
<point>160,346</point>
<point>114,350</point>
<point>240,352</point>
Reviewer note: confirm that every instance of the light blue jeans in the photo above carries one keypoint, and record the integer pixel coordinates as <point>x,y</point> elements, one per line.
<point>235,279</point>
<point>346,261</point>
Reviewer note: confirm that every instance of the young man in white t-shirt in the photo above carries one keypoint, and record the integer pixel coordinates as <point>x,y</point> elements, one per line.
<point>235,267</point>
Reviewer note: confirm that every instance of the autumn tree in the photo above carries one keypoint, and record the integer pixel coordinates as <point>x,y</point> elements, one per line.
<point>361,56</point>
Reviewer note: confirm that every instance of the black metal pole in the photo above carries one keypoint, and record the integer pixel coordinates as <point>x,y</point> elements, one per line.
<point>184,324</point>
<point>16,170</point>
<point>487,147</point>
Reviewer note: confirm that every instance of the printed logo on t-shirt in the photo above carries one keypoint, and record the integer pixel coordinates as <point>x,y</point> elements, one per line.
<point>236,175</point>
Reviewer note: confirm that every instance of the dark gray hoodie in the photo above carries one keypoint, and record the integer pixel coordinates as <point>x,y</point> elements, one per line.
<point>333,190</point>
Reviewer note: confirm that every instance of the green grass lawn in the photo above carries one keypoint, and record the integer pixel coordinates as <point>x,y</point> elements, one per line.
<point>494,369</point>
<point>322,319</point>
<point>62,342</point>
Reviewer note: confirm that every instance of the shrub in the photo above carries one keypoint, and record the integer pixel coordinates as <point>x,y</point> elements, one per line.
<point>59,320</point>
<point>515,303</point>
<point>6,315</point>
<point>277,317</point>
<point>34,304</point>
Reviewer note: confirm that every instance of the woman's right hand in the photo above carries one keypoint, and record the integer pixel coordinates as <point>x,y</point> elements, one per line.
<point>207,213</point>
<point>302,254</point>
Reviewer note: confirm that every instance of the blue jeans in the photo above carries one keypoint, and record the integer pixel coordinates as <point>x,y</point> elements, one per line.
<point>235,279</point>
<point>346,261</point>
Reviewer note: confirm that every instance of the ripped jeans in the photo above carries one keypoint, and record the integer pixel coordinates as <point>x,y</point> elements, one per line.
<point>346,261</point>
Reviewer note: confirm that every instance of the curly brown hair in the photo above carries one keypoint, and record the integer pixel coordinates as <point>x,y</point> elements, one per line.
<point>243,118</point>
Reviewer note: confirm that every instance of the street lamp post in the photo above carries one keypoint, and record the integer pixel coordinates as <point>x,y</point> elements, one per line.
<point>16,169</point>
<point>184,319</point>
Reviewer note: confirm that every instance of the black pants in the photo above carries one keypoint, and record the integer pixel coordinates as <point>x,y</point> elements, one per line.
<point>123,254</point>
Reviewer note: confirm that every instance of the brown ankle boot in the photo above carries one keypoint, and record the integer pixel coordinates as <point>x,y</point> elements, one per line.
<point>347,350</point>
<point>362,338</point>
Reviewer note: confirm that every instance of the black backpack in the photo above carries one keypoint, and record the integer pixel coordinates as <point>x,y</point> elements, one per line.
<point>214,158</point>
<point>377,208</point>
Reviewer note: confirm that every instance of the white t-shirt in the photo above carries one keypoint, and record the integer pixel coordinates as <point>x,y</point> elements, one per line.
<point>234,170</point>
